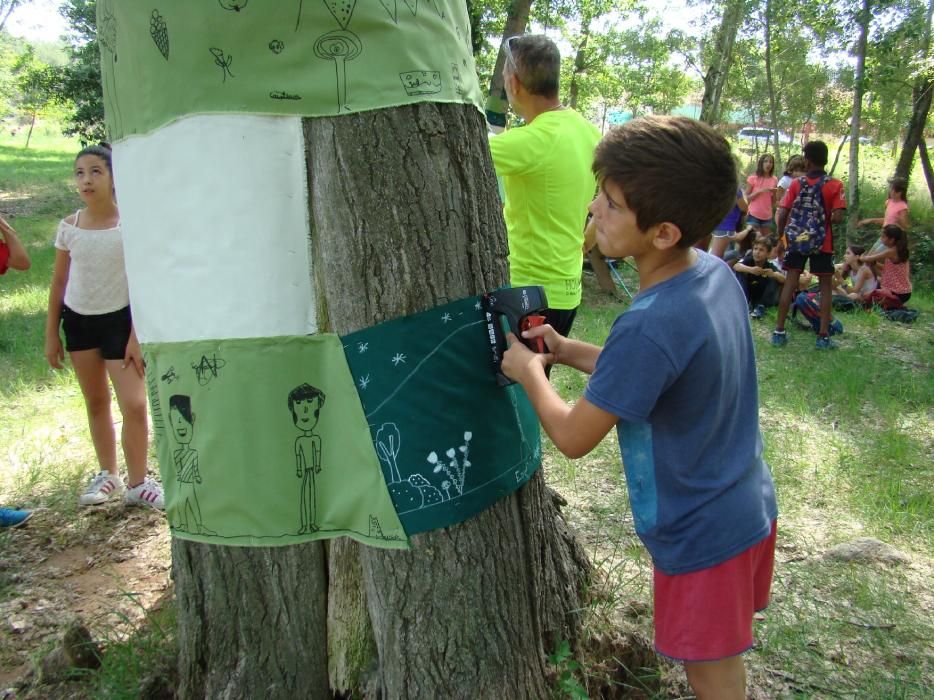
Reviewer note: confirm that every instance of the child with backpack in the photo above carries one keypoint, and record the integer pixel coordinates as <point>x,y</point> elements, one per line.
<point>805,216</point>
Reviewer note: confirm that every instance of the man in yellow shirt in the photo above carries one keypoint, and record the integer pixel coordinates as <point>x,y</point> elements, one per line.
<point>546,171</point>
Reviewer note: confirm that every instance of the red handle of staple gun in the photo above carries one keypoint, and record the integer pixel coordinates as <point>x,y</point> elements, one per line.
<point>534,344</point>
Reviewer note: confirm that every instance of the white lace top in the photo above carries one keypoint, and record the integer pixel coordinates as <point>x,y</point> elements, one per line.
<point>97,275</point>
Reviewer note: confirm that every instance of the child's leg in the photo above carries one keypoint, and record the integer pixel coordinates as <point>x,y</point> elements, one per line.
<point>826,302</point>
<point>131,397</point>
<point>784,302</point>
<point>719,245</point>
<point>92,378</point>
<point>724,679</point>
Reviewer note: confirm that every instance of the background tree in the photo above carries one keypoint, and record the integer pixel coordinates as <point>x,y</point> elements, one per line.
<point>717,53</point>
<point>863,18</point>
<point>79,81</point>
<point>36,88</point>
<point>920,106</point>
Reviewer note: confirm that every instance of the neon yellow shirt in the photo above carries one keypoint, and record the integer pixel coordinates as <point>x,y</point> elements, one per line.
<point>545,167</point>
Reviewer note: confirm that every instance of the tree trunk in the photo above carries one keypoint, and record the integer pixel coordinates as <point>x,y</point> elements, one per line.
<point>853,216</point>
<point>580,60</point>
<point>251,621</point>
<point>405,216</point>
<point>517,18</point>
<point>926,167</point>
<point>920,107</point>
<point>836,157</point>
<point>773,111</point>
<point>715,78</point>
<point>32,125</point>
<point>351,647</point>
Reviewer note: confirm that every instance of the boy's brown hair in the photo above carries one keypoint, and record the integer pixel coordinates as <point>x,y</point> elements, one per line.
<point>670,169</point>
<point>764,241</point>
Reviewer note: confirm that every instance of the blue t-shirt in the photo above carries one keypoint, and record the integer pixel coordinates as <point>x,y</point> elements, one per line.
<point>679,370</point>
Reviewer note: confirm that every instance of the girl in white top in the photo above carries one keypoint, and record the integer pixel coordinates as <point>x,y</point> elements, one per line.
<point>856,280</point>
<point>90,300</point>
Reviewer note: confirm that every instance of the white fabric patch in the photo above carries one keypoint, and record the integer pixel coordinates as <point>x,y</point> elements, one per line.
<point>215,228</point>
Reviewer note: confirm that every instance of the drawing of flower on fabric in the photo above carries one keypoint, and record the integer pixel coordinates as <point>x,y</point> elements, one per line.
<point>455,469</point>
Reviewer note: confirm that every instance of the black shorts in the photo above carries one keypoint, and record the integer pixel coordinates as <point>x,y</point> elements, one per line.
<point>108,332</point>
<point>819,263</point>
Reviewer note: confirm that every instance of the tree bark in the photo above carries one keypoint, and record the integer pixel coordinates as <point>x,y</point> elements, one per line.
<point>926,167</point>
<point>920,107</point>
<point>580,61</point>
<point>715,78</point>
<point>251,621</point>
<point>405,216</point>
<point>853,215</point>
<point>351,647</point>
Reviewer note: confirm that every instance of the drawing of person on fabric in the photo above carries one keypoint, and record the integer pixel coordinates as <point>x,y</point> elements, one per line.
<point>305,402</point>
<point>187,473</point>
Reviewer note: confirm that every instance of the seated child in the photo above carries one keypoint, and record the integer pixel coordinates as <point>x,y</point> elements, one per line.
<point>760,279</point>
<point>895,282</point>
<point>855,280</point>
<point>677,379</point>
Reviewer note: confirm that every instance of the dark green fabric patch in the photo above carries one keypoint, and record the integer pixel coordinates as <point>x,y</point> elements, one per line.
<point>449,440</point>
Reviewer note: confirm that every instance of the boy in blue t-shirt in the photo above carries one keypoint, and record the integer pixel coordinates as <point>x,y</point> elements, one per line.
<point>677,378</point>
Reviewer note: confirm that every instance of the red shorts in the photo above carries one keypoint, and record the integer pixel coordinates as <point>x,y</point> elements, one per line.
<point>707,615</point>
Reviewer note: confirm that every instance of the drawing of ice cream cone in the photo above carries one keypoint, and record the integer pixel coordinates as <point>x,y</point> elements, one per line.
<point>339,46</point>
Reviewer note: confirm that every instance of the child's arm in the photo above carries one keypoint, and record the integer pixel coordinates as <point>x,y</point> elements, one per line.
<point>903,220</point>
<point>875,257</point>
<point>134,354</point>
<point>54,352</point>
<point>776,275</point>
<point>864,222</point>
<point>745,269</point>
<point>19,258</point>
<point>575,430</point>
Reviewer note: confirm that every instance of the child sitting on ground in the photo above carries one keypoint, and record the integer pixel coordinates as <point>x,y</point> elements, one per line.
<point>854,280</point>
<point>677,377</point>
<point>760,279</point>
<point>895,283</point>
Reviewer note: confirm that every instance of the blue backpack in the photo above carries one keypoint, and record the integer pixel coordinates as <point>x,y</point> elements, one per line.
<point>806,227</point>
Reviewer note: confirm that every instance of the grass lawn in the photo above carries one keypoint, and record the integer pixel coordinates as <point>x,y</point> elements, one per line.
<point>849,435</point>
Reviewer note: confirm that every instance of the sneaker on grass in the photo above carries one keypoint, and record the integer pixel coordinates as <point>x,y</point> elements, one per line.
<point>779,338</point>
<point>102,487</point>
<point>825,343</point>
<point>758,312</point>
<point>148,493</point>
<point>13,518</point>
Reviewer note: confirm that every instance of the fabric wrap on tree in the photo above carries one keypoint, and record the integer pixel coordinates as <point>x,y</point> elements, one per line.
<point>268,441</point>
<point>450,441</point>
<point>262,441</point>
<point>320,58</point>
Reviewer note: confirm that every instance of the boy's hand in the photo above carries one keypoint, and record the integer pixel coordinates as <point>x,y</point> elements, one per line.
<point>520,363</point>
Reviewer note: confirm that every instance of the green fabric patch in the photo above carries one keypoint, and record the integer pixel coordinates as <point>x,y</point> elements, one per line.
<point>263,441</point>
<point>164,60</point>
<point>451,442</point>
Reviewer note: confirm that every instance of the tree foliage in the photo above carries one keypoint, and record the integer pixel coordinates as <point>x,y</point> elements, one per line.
<point>79,82</point>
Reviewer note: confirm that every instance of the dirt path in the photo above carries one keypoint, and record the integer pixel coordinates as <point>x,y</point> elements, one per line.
<point>106,579</point>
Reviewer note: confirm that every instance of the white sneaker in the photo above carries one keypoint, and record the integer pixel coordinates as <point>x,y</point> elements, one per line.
<point>103,486</point>
<point>148,493</point>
